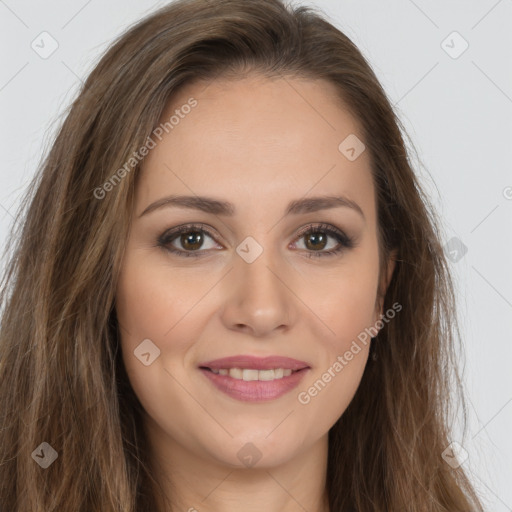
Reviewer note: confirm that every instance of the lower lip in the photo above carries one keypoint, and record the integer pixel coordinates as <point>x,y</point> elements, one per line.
<point>254,390</point>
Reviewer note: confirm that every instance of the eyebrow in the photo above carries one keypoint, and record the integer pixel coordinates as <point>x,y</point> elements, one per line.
<point>217,207</point>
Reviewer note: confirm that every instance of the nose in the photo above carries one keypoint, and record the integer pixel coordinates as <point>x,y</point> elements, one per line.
<point>258,297</point>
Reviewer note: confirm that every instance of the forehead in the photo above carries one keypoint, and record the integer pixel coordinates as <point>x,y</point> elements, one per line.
<point>257,139</point>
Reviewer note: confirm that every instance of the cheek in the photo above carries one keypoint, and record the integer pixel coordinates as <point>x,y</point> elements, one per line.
<point>152,301</point>
<point>348,311</point>
<point>154,304</point>
<point>345,298</point>
<point>346,305</point>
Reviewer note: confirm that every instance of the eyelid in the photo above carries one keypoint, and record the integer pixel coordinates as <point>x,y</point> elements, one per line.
<point>319,226</point>
<point>344,241</point>
<point>170,234</point>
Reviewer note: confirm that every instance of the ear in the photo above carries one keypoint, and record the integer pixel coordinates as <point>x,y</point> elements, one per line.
<point>385,279</point>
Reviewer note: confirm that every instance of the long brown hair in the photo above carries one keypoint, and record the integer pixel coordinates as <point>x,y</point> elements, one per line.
<point>62,380</point>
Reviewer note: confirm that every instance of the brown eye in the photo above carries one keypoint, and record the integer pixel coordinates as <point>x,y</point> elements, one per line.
<point>192,240</point>
<point>316,241</point>
<point>187,240</point>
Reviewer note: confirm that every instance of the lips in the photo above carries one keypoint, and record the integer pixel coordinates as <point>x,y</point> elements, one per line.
<point>254,379</point>
<point>255,363</point>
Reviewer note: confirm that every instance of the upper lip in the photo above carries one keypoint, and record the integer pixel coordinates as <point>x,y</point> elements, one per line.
<point>256,363</point>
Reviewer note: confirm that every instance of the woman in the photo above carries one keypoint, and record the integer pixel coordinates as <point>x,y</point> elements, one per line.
<point>228,290</point>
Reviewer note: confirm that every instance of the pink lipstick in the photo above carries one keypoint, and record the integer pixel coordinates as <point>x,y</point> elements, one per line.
<point>254,379</point>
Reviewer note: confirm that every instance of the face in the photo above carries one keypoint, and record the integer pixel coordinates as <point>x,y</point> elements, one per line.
<point>234,329</point>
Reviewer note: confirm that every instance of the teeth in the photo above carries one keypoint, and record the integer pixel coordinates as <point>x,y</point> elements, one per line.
<point>236,373</point>
<point>266,375</point>
<point>249,374</point>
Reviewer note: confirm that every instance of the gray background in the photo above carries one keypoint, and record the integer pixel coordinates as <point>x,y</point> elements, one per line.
<point>457,111</point>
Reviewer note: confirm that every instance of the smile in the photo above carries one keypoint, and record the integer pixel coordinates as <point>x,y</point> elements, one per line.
<point>249,374</point>
<point>254,379</point>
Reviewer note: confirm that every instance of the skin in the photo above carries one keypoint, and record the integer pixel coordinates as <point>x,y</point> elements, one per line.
<point>259,144</point>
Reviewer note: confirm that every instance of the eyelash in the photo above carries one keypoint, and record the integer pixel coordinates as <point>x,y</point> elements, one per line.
<point>344,241</point>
